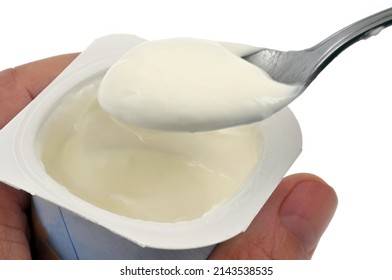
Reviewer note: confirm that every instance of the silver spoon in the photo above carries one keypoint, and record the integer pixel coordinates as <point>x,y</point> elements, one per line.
<point>302,67</point>
<point>177,111</point>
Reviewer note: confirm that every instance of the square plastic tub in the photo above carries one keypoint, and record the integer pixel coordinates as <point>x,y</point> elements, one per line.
<point>21,168</point>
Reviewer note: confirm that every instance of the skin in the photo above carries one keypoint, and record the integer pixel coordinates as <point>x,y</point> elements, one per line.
<point>289,226</point>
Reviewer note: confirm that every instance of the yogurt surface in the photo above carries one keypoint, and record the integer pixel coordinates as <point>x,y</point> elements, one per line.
<point>190,85</point>
<point>144,174</point>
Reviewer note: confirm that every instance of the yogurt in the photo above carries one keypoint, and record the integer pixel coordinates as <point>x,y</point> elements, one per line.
<point>139,173</point>
<point>188,84</point>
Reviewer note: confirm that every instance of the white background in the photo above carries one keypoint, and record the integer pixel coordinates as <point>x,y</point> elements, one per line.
<point>345,114</point>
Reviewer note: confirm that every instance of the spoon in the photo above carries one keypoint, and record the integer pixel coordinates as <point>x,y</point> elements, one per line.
<point>302,67</point>
<point>193,85</point>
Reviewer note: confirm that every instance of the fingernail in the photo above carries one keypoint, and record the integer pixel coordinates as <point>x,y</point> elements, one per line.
<point>307,211</point>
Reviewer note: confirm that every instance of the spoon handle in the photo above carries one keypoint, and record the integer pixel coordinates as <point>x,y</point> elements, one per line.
<point>332,46</point>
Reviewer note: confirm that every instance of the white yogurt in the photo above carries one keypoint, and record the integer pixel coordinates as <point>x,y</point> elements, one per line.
<point>144,174</point>
<point>190,85</point>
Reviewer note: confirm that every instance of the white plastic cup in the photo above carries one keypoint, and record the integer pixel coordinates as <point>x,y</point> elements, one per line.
<point>21,168</point>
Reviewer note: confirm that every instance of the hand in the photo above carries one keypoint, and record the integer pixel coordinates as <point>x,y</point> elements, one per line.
<point>18,87</point>
<point>289,226</point>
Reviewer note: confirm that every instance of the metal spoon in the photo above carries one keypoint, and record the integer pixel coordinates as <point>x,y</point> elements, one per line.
<point>174,108</point>
<point>302,67</point>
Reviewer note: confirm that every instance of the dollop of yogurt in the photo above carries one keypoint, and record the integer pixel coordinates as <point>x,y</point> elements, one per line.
<point>186,84</point>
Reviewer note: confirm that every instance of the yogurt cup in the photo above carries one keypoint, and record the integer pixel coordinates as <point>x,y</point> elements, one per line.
<point>21,168</point>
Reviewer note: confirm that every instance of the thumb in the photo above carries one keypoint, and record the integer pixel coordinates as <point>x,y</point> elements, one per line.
<point>290,224</point>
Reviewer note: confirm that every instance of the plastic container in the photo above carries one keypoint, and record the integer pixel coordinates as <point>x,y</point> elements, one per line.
<point>21,168</point>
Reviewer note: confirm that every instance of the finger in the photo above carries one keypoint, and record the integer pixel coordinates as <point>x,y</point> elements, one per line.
<point>19,85</point>
<point>14,229</point>
<point>290,224</point>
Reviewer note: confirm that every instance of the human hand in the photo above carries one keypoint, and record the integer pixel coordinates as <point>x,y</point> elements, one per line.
<point>289,226</point>
<point>18,86</point>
